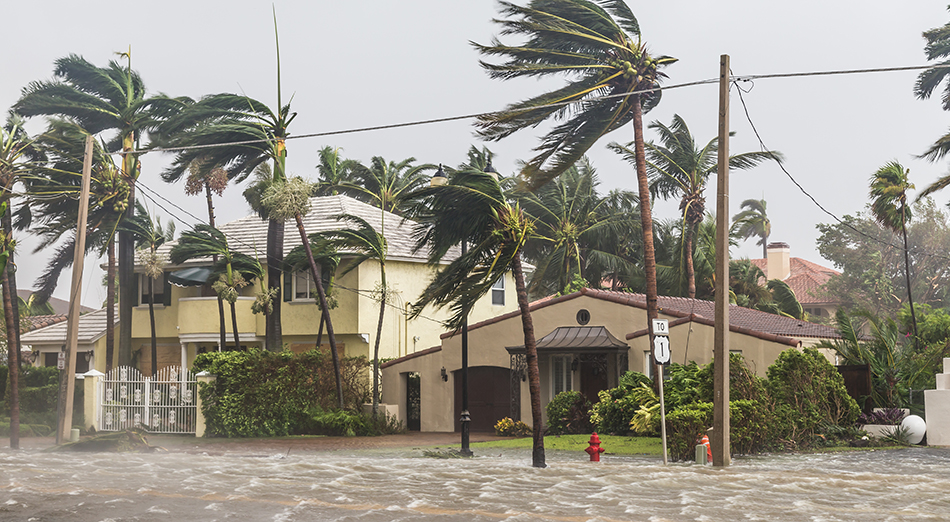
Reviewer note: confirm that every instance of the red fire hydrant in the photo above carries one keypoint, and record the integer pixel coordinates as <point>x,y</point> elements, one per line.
<point>594,450</point>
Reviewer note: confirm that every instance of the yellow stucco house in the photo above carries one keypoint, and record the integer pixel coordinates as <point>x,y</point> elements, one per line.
<point>186,317</point>
<point>187,321</point>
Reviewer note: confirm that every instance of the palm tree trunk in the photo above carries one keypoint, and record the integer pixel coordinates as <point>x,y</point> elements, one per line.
<point>151,320</point>
<point>110,306</point>
<point>646,217</point>
<point>127,260</point>
<point>379,333</point>
<point>688,255</point>
<point>13,363</point>
<point>275,257</point>
<point>320,331</point>
<point>910,297</point>
<point>222,327</point>
<point>234,326</point>
<point>531,357</point>
<point>765,249</point>
<point>326,309</point>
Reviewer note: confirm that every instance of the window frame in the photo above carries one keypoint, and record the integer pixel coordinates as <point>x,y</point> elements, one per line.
<point>566,380</point>
<point>498,289</point>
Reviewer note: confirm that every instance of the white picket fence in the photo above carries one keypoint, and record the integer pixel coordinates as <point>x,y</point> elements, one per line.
<point>165,403</point>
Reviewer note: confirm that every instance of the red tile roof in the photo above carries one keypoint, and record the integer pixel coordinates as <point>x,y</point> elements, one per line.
<point>805,278</point>
<point>741,319</point>
<point>40,321</point>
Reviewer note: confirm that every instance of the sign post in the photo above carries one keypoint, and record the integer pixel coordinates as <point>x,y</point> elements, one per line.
<point>661,353</point>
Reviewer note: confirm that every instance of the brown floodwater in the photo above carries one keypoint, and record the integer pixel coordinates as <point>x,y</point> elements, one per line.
<point>402,485</point>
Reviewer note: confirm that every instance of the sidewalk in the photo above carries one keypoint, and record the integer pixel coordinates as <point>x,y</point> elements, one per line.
<point>297,444</point>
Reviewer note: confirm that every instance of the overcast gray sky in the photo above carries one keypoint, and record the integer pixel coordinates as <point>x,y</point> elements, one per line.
<point>357,63</point>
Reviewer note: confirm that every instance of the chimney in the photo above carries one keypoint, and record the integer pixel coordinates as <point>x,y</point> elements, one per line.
<point>778,261</point>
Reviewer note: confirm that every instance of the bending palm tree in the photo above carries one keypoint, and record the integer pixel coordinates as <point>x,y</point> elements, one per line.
<point>383,183</point>
<point>368,244</point>
<point>937,48</point>
<point>754,222</point>
<point>291,199</point>
<point>889,186</point>
<point>678,168</point>
<point>472,208</point>
<point>572,224</point>
<point>598,43</point>
<point>101,99</point>
<point>149,235</point>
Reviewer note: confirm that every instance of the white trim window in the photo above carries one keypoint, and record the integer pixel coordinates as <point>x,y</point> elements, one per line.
<point>159,287</point>
<point>304,288</point>
<point>560,374</point>
<point>498,292</point>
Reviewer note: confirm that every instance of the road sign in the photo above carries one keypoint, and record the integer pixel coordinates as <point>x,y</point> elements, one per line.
<point>61,361</point>
<point>661,327</point>
<point>661,349</point>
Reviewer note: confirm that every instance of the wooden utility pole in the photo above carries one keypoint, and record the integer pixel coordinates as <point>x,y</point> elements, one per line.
<point>75,293</point>
<point>720,436</point>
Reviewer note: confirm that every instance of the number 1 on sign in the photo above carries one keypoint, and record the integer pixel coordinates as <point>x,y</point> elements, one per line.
<point>661,349</point>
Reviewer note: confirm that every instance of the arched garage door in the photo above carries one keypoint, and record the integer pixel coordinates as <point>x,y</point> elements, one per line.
<point>488,396</point>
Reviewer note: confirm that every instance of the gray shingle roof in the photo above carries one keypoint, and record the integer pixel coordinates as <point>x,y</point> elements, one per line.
<point>92,326</point>
<point>249,234</point>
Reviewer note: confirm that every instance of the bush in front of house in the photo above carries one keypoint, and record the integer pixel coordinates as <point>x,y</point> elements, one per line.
<point>568,412</point>
<point>39,399</point>
<point>615,407</point>
<point>511,428</point>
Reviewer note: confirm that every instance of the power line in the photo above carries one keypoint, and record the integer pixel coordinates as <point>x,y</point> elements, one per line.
<point>764,148</point>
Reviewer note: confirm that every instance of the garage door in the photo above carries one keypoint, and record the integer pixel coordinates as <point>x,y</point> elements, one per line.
<point>488,396</point>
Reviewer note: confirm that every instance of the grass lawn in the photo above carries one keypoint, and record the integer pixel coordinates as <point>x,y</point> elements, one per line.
<point>612,444</point>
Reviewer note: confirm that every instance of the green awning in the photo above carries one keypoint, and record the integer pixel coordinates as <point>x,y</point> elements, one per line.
<point>196,276</point>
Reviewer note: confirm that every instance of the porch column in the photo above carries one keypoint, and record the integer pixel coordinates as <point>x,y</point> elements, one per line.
<point>184,356</point>
<point>200,427</point>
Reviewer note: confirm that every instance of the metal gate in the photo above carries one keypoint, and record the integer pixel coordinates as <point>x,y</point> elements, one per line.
<point>161,404</point>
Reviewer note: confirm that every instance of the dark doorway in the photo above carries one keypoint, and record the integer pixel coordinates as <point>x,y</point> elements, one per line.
<point>593,380</point>
<point>413,400</point>
<point>488,397</point>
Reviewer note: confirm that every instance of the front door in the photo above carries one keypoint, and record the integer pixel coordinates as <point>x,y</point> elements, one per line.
<point>488,397</point>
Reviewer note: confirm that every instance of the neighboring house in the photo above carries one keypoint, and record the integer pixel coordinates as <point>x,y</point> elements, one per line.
<point>586,341</point>
<point>186,318</point>
<point>805,278</point>
<point>49,340</point>
<point>60,306</point>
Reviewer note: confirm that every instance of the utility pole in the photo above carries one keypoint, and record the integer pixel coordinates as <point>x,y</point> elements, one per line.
<point>75,292</point>
<point>720,436</point>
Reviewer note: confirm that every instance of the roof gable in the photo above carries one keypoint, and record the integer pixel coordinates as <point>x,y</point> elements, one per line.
<point>92,327</point>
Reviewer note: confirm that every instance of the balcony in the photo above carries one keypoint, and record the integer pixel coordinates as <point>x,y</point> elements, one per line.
<point>199,316</point>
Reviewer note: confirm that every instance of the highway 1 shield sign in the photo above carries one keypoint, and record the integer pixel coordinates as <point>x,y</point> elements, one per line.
<point>661,349</point>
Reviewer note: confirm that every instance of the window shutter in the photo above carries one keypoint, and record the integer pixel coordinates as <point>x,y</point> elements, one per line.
<point>288,285</point>
<point>166,290</point>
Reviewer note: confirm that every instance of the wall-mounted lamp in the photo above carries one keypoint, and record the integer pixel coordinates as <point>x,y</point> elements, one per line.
<point>88,356</point>
<point>34,355</point>
<point>524,376</point>
<point>445,376</point>
<point>574,364</point>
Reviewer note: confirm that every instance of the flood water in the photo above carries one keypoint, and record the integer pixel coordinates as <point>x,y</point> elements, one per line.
<point>402,485</point>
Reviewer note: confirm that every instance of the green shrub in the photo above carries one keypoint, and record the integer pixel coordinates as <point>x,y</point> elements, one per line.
<point>258,393</point>
<point>511,428</point>
<point>743,382</point>
<point>683,386</point>
<point>631,380</point>
<point>751,427</point>
<point>614,411</point>
<point>39,376</point>
<point>685,426</point>
<point>808,393</point>
<point>568,412</point>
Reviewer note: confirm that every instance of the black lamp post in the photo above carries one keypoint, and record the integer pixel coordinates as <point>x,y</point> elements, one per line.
<point>439,179</point>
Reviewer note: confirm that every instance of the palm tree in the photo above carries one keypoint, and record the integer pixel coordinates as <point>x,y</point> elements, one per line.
<point>328,259</point>
<point>101,99</point>
<point>256,134</point>
<point>753,222</point>
<point>53,195</point>
<point>889,205</point>
<point>937,48</point>
<point>335,173</point>
<point>775,297</point>
<point>677,167</point>
<point>366,243</point>
<point>472,208</point>
<point>291,199</point>
<point>598,43</point>
<point>149,234</point>
<point>384,183</point>
<point>210,181</point>
<point>18,157</point>
<point>572,224</point>
<point>233,270</point>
